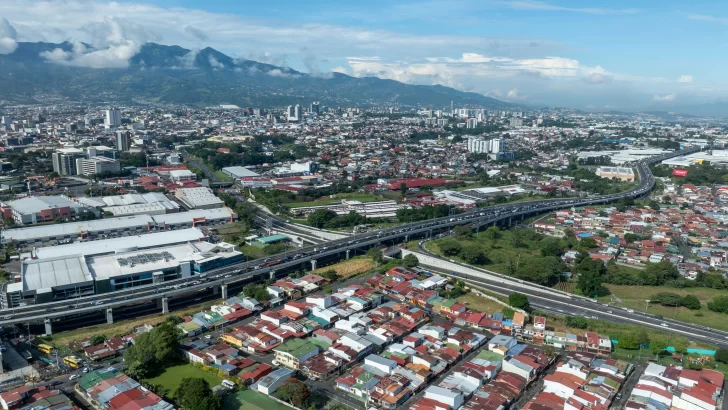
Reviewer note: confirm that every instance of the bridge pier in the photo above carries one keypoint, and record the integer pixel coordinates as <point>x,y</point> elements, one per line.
<point>348,252</point>
<point>313,264</point>
<point>165,305</point>
<point>48,327</point>
<point>215,290</point>
<point>510,222</point>
<point>109,315</point>
<point>223,290</point>
<point>272,275</point>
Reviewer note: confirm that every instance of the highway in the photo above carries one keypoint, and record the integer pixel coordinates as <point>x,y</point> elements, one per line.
<point>260,269</point>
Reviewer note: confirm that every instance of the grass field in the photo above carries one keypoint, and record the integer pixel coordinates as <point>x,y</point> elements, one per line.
<point>336,200</point>
<point>172,376</point>
<point>480,304</point>
<point>122,327</point>
<point>349,268</point>
<point>223,176</point>
<point>251,400</point>
<point>634,297</point>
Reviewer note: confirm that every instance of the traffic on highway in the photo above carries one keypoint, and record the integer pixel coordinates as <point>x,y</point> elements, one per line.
<point>262,268</point>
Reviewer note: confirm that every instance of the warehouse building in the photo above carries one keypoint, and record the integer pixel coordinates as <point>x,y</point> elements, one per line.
<point>70,276</point>
<point>35,209</point>
<point>198,198</point>
<point>239,172</point>
<point>46,235</point>
<point>152,203</point>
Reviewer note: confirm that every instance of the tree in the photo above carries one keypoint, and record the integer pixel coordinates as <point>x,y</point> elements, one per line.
<point>541,270</point>
<point>656,274</point>
<point>403,188</point>
<point>691,302</point>
<point>721,356</point>
<point>654,205</point>
<point>518,300</point>
<point>449,247</point>
<point>261,294</point>
<point>97,339</point>
<point>643,338</point>
<point>173,319</point>
<point>328,290</point>
<point>492,233</point>
<point>591,273</point>
<point>194,393</point>
<point>551,247</point>
<point>577,322</point>
<point>151,350</point>
<point>658,345</point>
<point>294,391</point>
<point>410,261</point>
<point>473,254</point>
<point>463,231</point>
<point>630,237</point>
<point>517,238</point>
<point>629,342</point>
<point>679,345</point>
<point>320,217</point>
<point>375,254</point>
<point>719,304</point>
<point>587,243</point>
<point>667,299</point>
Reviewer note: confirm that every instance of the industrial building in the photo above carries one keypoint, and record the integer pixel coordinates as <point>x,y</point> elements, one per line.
<point>198,198</point>
<point>69,276</point>
<point>624,174</point>
<point>113,227</point>
<point>239,172</point>
<point>35,209</point>
<point>152,203</point>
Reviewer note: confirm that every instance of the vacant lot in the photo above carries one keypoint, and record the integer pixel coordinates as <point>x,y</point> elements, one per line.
<point>349,268</point>
<point>634,297</point>
<point>251,400</point>
<point>480,304</point>
<point>172,376</point>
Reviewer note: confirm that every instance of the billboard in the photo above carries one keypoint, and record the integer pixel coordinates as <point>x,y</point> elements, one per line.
<point>680,172</point>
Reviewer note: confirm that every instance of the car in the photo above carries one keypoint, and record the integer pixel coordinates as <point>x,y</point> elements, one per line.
<point>618,396</point>
<point>208,337</point>
<point>275,363</point>
<point>85,369</point>
<point>227,276</point>
<point>630,310</point>
<point>55,383</point>
<point>7,317</point>
<point>73,377</point>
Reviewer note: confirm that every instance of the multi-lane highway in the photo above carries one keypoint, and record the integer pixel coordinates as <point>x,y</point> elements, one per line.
<point>262,269</point>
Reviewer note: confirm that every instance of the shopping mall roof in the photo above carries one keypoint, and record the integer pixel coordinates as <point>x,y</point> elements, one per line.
<point>55,272</point>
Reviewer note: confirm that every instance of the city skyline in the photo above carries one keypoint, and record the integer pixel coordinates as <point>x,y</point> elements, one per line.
<point>600,56</point>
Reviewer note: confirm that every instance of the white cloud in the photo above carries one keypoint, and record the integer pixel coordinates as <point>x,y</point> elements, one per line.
<point>708,18</point>
<point>598,75</point>
<point>543,6</point>
<point>664,98</point>
<point>197,33</point>
<point>282,74</point>
<point>340,69</point>
<point>187,61</point>
<point>685,79</point>
<point>214,63</point>
<point>8,37</point>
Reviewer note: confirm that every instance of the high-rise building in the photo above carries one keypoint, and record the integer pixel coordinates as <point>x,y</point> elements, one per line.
<point>472,123</point>
<point>483,146</point>
<point>298,111</point>
<point>64,161</point>
<point>315,107</point>
<point>96,165</point>
<point>516,122</point>
<point>123,141</point>
<point>291,113</point>
<point>113,118</point>
<point>6,119</point>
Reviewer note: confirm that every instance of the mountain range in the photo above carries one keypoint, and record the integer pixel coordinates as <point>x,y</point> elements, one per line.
<point>172,74</point>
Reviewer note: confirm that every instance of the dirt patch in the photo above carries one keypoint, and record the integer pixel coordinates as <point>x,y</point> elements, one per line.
<point>349,268</point>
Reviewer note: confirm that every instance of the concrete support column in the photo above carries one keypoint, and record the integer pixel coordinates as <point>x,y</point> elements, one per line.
<point>48,327</point>
<point>109,315</point>
<point>223,290</point>
<point>348,253</point>
<point>523,216</point>
<point>272,274</point>
<point>215,290</point>
<point>509,221</point>
<point>313,264</point>
<point>406,238</point>
<point>165,305</point>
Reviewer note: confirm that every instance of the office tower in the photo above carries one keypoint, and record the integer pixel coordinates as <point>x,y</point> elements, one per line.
<point>452,107</point>
<point>291,113</point>
<point>113,118</point>
<point>516,122</point>
<point>6,119</point>
<point>64,161</point>
<point>472,123</point>
<point>123,141</point>
<point>315,107</point>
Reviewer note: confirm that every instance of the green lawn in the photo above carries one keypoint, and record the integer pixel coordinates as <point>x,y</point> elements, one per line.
<point>633,297</point>
<point>337,200</point>
<point>172,376</point>
<point>251,400</point>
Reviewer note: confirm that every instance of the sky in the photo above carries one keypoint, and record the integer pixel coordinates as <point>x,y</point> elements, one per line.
<point>590,54</point>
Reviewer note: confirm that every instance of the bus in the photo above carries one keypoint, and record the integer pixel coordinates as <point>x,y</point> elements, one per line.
<point>45,348</point>
<point>73,361</point>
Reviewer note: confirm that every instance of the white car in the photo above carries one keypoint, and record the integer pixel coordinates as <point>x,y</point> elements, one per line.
<point>208,337</point>
<point>663,324</point>
<point>275,363</point>
<point>73,377</point>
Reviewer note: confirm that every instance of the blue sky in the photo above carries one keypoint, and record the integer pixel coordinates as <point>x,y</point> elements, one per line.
<point>594,55</point>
